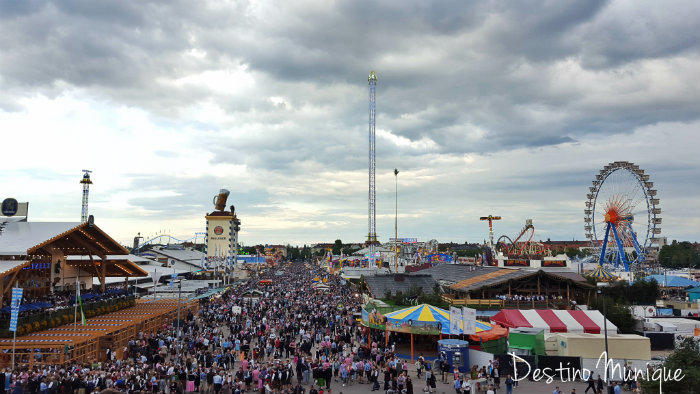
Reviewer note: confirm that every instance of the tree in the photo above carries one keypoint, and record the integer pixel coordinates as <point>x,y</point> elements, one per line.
<point>293,252</point>
<point>641,292</point>
<point>680,255</point>
<point>337,247</point>
<point>469,253</point>
<point>618,312</point>
<point>685,358</point>
<point>573,252</point>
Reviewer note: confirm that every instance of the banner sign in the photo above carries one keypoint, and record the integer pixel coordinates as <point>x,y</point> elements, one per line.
<point>414,327</point>
<point>374,319</point>
<point>14,307</point>
<point>439,258</point>
<point>405,241</point>
<point>516,263</point>
<point>455,320</point>
<point>469,320</point>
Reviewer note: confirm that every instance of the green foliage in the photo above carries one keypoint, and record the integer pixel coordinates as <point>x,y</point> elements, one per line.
<point>680,255</point>
<point>414,296</point>
<point>576,252</point>
<point>362,285</point>
<point>618,312</point>
<point>640,292</point>
<point>297,253</point>
<point>686,357</point>
<point>620,296</point>
<point>469,253</point>
<point>320,253</point>
<point>337,247</point>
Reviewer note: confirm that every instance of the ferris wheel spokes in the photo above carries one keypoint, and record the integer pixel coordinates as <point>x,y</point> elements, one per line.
<point>636,244</point>
<point>621,249</point>
<point>621,238</point>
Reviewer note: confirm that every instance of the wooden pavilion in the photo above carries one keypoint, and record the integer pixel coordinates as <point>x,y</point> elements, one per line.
<point>42,257</point>
<point>496,287</point>
<point>73,343</point>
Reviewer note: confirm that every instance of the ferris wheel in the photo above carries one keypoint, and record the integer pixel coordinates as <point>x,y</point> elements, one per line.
<point>622,216</point>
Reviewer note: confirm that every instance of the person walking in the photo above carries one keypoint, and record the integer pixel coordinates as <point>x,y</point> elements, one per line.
<point>591,385</point>
<point>509,385</point>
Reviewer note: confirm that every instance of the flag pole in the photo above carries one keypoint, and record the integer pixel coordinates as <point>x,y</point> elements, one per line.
<point>75,304</point>
<point>14,334</point>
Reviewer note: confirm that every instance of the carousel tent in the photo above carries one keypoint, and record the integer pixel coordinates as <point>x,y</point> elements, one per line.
<point>552,321</point>
<point>602,274</point>
<point>431,314</point>
<point>427,314</point>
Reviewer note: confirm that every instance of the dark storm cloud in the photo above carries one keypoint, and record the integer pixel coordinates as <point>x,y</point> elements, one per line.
<point>466,76</point>
<point>190,196</point>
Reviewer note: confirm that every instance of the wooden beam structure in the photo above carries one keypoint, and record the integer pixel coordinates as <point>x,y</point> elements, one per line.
<point>87,343</point>
<point>103,271</point>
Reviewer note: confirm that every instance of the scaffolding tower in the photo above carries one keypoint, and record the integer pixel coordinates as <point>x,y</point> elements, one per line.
<point>372,220</point>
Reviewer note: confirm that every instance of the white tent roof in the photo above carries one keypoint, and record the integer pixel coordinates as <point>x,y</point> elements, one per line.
<point>6,265</point>
<point>364,251</point>
<point>18,237</point>
<point>133,258</point>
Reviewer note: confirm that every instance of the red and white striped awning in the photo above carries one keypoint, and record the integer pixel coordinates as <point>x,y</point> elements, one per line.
<point>554,320</point>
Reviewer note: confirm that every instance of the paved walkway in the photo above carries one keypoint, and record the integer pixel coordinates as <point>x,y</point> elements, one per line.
<point>525,387</point>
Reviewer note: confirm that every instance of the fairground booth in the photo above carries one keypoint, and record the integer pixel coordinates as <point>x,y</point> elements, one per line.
<point>553,321</point>
<point>423,325</point>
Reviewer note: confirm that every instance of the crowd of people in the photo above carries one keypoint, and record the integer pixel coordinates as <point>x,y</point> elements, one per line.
<point>61,300</point>
<point>527,297</point>
<point>277,333</point>
<point>291,339</point>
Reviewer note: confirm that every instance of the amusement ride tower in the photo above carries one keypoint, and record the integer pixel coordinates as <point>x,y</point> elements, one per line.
<point>86,191</point>
<point>372,234</point>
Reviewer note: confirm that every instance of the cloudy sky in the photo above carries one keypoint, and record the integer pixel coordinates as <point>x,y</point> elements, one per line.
<point>485,107</point>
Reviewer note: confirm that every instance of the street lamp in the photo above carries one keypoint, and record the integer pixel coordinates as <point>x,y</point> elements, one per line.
<point>601,286</point>
<point>179,298</point>
<point>396,220</point>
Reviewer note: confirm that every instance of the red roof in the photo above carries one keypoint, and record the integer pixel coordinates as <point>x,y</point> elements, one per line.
<point>554,320</point>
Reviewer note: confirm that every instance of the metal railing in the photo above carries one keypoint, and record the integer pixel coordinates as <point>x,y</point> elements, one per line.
<point>507,304</point>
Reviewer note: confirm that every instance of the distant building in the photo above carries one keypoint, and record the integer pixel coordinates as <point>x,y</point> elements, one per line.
<point>315,249</point>
<point>176,256</point>
<point>562,246</point>
<point>274,249</point>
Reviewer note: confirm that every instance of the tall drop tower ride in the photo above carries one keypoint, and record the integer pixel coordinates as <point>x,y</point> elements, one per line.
<point>372,234</point>
<point>86,190</point>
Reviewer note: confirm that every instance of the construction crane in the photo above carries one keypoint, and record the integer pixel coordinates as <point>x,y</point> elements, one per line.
<point>490,218</point>
<point>372,219</point>
<point>86,191</point>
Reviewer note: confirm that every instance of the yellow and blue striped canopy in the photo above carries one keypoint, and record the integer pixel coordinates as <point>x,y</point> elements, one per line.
<point>429,313</point>
<point>601,273</point>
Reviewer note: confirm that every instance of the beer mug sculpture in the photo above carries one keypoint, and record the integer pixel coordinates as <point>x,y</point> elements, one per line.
<point>220,199</point>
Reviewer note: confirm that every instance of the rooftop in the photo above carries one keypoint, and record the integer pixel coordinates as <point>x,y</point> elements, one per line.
<point>379,285</point>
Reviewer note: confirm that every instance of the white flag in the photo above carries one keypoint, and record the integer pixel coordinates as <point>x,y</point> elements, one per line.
<point>455,320</point>
<point>469,320</point>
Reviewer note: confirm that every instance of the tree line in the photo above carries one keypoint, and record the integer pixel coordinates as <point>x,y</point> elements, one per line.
<point>680,255</point>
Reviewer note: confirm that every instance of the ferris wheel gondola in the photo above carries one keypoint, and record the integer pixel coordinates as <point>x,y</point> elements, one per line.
<point>622,216</point>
